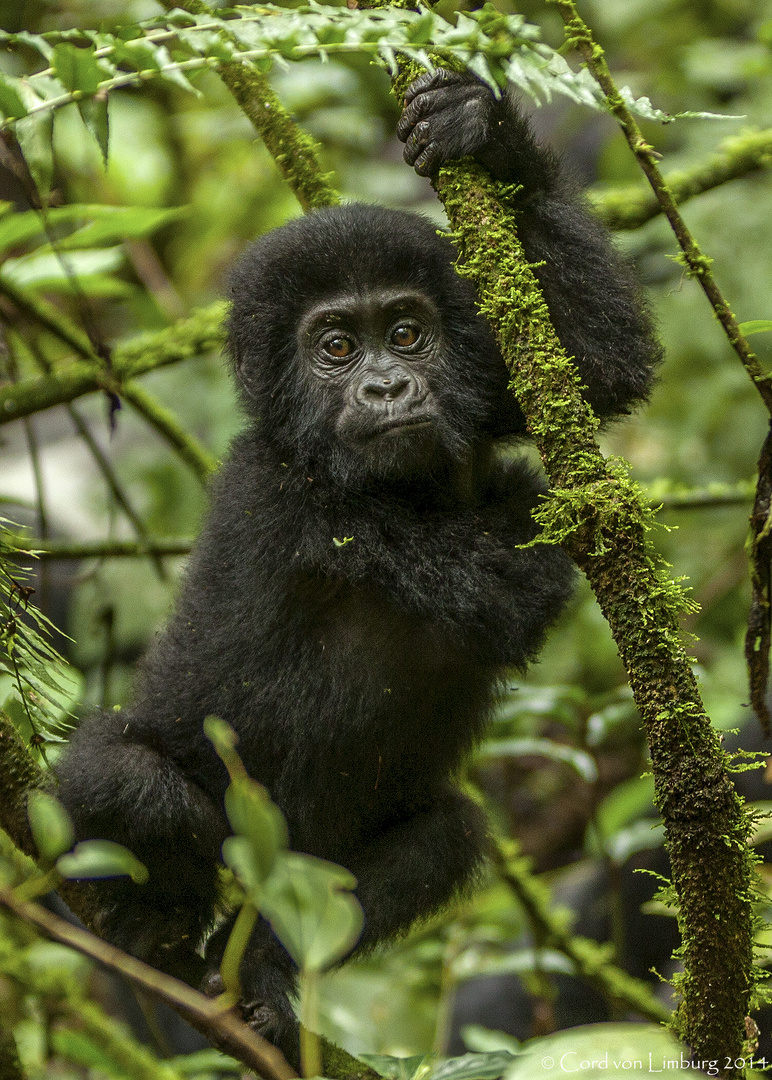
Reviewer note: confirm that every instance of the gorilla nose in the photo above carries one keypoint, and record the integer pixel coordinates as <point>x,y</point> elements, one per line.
<point>385,388</point>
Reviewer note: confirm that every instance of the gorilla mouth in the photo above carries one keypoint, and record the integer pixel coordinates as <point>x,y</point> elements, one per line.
<point>398,424</point>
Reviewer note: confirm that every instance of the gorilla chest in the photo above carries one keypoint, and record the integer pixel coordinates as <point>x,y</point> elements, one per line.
<point>362,628</point>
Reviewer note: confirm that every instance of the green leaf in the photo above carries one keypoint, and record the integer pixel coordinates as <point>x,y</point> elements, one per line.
<point>35,135</point>
<point>309,904</point>
<point>11,103</point>
<point>102,859</point>
<point>253,816</point>
<point>580,760</point>
<point>756,326</point>
<point>50,824</point>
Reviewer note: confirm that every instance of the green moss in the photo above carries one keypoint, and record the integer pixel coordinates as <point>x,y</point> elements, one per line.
<point>598,514</point>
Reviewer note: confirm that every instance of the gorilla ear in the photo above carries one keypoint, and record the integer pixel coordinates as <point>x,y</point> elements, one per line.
<point>240,371</point>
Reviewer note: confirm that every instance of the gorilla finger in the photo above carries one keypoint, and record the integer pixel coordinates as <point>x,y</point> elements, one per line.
<point>417,140</point>
<point>432,80</point>
<point>413,113</point>
<point>427,161</point>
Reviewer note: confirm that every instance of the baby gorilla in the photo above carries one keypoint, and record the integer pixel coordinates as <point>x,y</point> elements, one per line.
<point>359,586</point>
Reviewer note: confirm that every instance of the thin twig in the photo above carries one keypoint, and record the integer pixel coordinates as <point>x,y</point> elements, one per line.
<point>219,1024</point>
<point>631,207</point>
<point>580,36</point>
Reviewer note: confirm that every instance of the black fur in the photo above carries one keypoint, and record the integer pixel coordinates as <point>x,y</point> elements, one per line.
<point>359,673</point>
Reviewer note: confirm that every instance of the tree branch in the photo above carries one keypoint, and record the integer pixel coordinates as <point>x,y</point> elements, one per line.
<point>601,519</point>
<point>631,207</point>
<point>580,36</point>
<point>201,332</point>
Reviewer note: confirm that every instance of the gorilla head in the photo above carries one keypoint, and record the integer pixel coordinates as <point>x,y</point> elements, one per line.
<point>360,348</point>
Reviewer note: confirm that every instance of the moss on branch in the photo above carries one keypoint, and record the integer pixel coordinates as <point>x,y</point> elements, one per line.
<point>200,333</point>
<point>631,207</point>
<point>602,520</point>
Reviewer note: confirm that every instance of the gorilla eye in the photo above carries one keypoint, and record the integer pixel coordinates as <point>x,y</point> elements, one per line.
<point>338,347</point>
<point>405,335</point>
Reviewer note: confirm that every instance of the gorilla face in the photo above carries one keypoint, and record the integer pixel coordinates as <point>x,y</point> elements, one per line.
<point>359,349</point>
<point>374,357</point>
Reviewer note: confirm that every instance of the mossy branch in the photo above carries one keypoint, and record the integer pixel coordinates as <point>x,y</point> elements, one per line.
<point>591,960</point>
<point>601,519</point>
<point>580,36</point>
<point>632,207</point>
<point>202,332</point>
<point>295,152</point>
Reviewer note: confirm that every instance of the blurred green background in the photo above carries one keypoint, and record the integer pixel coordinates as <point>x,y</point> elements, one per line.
<point>705,424</point>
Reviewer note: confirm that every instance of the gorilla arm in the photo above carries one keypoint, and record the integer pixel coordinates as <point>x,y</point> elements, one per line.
<point>594,300</point>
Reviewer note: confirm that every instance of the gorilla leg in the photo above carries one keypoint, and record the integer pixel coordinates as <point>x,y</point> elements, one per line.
<point>268,979</point>
<point>411,870</point>
<point>118,783</point>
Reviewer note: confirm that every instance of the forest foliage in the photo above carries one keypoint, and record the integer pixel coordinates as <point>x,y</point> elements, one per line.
<point>153,181</point>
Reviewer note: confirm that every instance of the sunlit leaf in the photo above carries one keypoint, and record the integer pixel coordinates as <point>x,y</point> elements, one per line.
<point>314,914</point>
<point>50,824</point>
<point>101,859</point>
